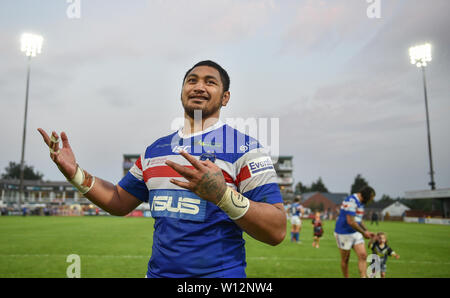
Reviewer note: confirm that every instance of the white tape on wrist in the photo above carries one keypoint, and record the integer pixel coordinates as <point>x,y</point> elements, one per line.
<point>234,204</point>
<point>83,181</point>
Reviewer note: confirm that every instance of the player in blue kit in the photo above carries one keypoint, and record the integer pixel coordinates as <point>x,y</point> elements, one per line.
<point>205,184</point>
<point>350,230</point>
<point>296,211</point>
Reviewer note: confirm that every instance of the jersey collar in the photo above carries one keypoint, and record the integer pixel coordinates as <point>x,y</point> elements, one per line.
<point>357,197</point>
<point>216,125</point>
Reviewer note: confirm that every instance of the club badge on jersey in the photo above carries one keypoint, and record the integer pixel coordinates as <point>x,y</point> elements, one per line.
<point>208,156</point>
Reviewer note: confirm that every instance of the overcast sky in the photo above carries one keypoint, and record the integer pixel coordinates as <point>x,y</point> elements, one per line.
<point>336,76</point>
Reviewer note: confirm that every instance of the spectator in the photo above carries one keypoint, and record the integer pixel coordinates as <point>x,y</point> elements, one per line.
<point>374,218</point>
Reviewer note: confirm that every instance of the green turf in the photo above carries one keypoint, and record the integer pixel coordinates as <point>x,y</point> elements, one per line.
<point>121,247</point>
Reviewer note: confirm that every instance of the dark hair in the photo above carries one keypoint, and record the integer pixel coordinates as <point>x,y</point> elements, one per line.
<point>223,73</point>
<point>366,192</point>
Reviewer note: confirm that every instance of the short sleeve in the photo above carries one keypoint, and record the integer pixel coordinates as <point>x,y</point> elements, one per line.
<point>133,182</point>
<point>256,177</point>
<point>350,207</point>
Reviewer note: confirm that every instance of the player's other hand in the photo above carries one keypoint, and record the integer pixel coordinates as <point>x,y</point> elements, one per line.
<point>62,157</point>
<point>368,235</point>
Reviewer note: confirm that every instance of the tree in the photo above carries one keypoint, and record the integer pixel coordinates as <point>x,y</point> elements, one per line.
<point>12,171</point>
<point>300,188</point>
<point>358,184</point>
<point>315,186</point>
<point>386,198</point>
<point>318,186</point>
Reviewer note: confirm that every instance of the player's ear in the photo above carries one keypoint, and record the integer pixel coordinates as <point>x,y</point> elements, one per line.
<point>225,98</point>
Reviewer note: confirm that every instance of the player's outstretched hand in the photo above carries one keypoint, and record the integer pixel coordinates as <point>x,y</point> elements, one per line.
<point>62,157</point>
<point>369,235</point>
<point>205,179</point>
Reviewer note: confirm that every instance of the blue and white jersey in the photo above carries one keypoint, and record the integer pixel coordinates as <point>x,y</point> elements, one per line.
<point>350,206</point>
<point>296,209</point>
<point>193,237</point>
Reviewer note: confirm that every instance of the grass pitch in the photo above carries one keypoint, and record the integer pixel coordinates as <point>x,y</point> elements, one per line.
<point>121,247</point>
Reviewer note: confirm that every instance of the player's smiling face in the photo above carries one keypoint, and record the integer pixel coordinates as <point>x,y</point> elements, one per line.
<point>203,90</point>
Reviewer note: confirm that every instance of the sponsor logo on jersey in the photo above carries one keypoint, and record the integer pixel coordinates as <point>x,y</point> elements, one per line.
<point>177,204</point>
<point>185,205</point>
<point>209,144</point>
<point>245,147</point>
<point>179,148</point>
<point>260,165</point>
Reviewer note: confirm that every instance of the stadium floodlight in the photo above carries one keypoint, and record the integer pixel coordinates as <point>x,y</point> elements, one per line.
<point>420,56</point>
<point>31,45</point>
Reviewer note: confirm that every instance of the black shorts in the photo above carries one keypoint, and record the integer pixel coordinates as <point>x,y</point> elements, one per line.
<point>318,232</point>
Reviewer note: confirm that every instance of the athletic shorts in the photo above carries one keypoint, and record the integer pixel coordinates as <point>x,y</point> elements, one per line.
<point>295,220</point>
<point>318,231</point>
<point>347,241</point>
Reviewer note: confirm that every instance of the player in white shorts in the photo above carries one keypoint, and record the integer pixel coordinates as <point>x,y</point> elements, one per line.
<point>350,230</point>
<point>296,211</point>
<point>347,241</point>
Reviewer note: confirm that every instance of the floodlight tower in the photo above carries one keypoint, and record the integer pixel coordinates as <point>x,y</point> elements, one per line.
<point>31,45</point>
<point>420,56</point>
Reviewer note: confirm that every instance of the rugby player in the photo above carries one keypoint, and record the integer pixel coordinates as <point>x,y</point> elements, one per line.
<point>297,212</point>
<point>350,230</point>
<point>205,184</point>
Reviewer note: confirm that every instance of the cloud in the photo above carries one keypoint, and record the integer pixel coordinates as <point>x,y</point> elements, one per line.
<point>410,25</point>
<point>324,25</point>
<point>160,28</point>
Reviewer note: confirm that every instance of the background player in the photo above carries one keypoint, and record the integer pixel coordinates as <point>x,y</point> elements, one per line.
<point>350,230</point>
<point>380,247</point>
<point>297,212</point>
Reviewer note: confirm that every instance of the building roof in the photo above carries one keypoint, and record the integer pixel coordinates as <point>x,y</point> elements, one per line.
<point>36,185</point>
<point>335,198</point>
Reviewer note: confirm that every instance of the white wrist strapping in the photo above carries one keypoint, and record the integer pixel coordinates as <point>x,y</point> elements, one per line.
<point>234,204</point>
<point>83,181</point>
